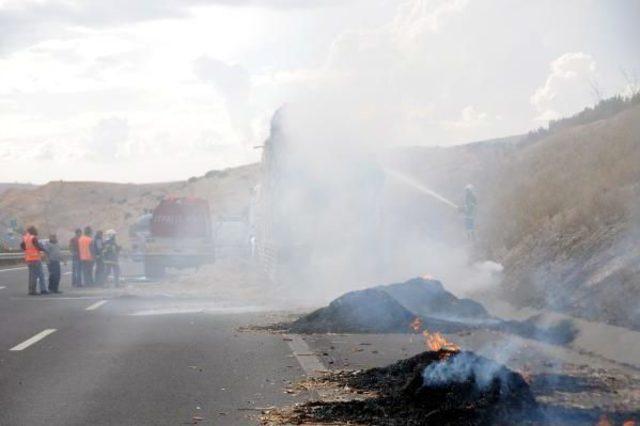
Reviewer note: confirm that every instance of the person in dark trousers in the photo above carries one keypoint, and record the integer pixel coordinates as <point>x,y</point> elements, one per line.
<point>76,265</point>
<point>469,210</point>
<point>54,258</point>
<point>111,255</point>
<point>86,256</point>
<point>33,257</point>
<point>97,248</point>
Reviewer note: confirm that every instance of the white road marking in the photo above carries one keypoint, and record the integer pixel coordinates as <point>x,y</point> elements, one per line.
<point>95,305</point>
<point>2,287</point>
<point>67,273</point>
<point>200,309</point>
<point>13,269</point>
<point>310,363</point>
<point>49,299</point>
<point>34,339</point>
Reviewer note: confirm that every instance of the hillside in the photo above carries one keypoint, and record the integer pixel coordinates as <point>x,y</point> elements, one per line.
<point>565,221</point>
<point>63,206</point>
<point>560,212</point>
<point>7,186</point>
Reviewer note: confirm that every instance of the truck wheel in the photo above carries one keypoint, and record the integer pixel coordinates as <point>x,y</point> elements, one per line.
<point>153,268</point>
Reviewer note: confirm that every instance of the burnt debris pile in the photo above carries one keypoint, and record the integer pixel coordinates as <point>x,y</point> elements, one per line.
<point>435,387</point>
<point>392,308</point>
<point>364,311</point>
<point>428,298</point>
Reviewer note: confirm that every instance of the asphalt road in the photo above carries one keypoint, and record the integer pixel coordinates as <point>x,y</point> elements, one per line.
<point>133,360</point>
<point>145,357</point>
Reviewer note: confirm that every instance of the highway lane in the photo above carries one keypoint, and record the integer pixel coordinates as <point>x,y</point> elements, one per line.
<point>134,360</point>
<point>22,316</point>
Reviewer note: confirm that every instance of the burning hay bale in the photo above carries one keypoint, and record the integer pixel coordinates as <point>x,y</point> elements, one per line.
<point>395,308</point>
<point>366,311</point>
<point>428,298</point>
<point>391,309</point>
<point>435,387</point>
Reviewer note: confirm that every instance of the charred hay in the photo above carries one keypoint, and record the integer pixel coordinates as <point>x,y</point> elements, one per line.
<point>365,311</point>
<point>390,309</point>
<point>428,298</point>
<point>489,394</point>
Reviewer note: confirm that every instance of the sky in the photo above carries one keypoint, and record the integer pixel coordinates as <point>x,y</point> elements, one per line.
<point>157,90</point>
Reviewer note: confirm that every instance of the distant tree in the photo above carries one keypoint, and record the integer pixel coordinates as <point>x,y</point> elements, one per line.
<point>605,108</point>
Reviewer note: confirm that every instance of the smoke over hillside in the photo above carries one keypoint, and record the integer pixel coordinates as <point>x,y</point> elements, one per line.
<point>556,211</point>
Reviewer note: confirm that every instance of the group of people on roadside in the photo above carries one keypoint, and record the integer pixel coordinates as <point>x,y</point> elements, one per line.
<point>87,252</point>
<point>94,258</point>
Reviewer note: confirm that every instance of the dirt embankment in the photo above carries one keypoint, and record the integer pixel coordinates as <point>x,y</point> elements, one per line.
<point>566,222</point>
<point>63,206</point>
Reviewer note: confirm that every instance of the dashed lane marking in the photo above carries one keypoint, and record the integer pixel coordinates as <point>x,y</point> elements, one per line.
<point>96,305</point>
<point>2,287</point>
<point>310,363</point>
<point>24,345</point>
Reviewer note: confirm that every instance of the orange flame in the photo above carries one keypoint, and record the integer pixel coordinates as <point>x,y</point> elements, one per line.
<point>629,423</point>
<point>416,325</point>
<point>436,342</point>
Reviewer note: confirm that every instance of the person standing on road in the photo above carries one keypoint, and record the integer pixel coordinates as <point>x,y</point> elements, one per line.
<point>469,211</point>
<point>54,257</point>
<point>111,254</point>
<point>86,256</point>
<point>76,265</point>
<point>97,247</point>
<point>33,257</point>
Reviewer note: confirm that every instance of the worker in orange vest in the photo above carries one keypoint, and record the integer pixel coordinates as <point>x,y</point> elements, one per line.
<point>33,258</point>
<point>86,255</point>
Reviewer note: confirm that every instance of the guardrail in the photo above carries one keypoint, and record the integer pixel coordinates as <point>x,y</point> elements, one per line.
<point>18,257</point>
<point>11,258</point>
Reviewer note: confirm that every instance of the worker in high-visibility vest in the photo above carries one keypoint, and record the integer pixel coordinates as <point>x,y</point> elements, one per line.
<point>86,255</point>
<point>33,258</point>
<point>76,265</point>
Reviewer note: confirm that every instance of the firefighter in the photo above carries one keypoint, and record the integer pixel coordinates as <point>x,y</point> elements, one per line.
<point>97,246</point>
<point>33,258</point>
<point>86,255</point>
<point>111,254</point>
<point>469,211</point>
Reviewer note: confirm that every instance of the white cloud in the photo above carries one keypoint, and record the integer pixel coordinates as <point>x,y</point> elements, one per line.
<point>401,71</point>
<point>470,117</point>
<point>108,139</point>
<point>567,87</point>
<point>419,16</point>
<point>232,82</point>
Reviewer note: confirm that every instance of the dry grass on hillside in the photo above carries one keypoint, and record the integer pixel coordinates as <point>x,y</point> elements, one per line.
<point>562,218</point>
<point>580,179</point>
